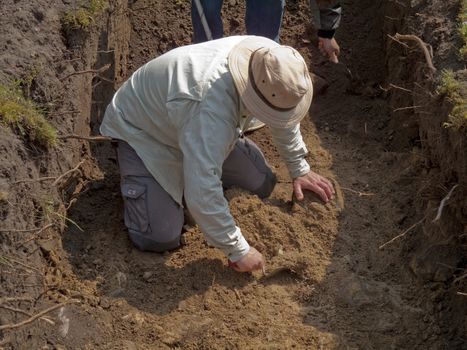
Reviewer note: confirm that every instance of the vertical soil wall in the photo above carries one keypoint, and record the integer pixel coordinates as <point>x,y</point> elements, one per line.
<point>437,253</point>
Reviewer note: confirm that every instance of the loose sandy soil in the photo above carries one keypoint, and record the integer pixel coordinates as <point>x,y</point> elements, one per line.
<point>327,285</point>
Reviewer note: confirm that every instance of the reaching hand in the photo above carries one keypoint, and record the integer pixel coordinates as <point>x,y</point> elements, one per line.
<point>330,48</point>
<point>252,261</point>
<point>313,182</point>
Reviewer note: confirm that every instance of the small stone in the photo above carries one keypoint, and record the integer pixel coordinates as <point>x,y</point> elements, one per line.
<point>147,275</point>
<point>105,303</point>
<point>279,251</point>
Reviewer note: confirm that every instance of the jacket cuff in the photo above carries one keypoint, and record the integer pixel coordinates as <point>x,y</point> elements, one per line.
<point>302,169</point>
<point>326,34</point>
<point>239,249</point>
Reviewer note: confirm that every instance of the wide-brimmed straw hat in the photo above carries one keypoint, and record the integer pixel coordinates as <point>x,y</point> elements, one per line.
<point>272,80</point>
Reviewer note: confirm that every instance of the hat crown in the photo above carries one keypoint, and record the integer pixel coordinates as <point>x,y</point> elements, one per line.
<point>280,75</point>
<point>285,75</point>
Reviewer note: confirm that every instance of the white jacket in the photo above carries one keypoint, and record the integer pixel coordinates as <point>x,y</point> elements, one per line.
<point>181,114</point>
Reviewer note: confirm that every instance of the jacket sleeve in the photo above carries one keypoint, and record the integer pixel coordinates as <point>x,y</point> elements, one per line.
<point>205,141</point>
<point>327,16</point>
<point>292,149</point>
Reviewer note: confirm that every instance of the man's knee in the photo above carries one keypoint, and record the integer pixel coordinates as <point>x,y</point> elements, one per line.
<point>153,219</point>
<point>268,185</point>
<point>149,241</point>
<point>247,168</point>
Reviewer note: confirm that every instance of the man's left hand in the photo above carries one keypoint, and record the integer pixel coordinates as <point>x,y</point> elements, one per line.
<point>329,48</point>
<point>313,182</point>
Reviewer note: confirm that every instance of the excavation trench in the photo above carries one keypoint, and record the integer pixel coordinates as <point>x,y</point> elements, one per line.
<point>331,281</point>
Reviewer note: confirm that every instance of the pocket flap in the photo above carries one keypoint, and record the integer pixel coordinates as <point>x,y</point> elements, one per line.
<point>133,190</point>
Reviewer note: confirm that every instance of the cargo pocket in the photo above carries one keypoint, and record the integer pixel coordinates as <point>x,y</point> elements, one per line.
<point>136,209</point>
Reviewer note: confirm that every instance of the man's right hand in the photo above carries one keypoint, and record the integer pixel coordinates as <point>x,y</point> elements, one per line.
<point>253,260</point>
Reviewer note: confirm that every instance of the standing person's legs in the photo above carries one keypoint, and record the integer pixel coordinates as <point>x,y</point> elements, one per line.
<point>154,220</point>
<point>212,12</point>
<point>264,18</point>
<point>246,167</point>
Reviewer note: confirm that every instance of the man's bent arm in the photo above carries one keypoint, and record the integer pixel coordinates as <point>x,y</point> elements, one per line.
<point>204,147</point>
<point>289,143</point>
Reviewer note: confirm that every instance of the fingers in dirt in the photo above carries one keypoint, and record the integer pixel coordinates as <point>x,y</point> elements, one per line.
<point>298,192</point>
<point>328,188</point>
<point>320,192</point>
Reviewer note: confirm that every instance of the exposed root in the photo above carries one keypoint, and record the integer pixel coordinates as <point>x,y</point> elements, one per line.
<point>87,138</point>
<point>400,42</point>
<point>443,203</point>
<point>57,181</point>
<point>406,108</point>
<point>460,278</point>
<point>73,201</point>
<point>46,178</point>
<point>360,194</point>
<point>403,233</point>
<point>34,236</point>
<point>35,317</point>
<point>93,71</point>
<point>6,307</point>
<point>423,46</point>
<point>400,88</point>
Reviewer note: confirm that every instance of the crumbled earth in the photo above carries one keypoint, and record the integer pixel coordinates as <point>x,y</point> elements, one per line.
<point>329,281</point>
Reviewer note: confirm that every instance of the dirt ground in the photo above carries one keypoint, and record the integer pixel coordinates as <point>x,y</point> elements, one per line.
<point>328,284</point>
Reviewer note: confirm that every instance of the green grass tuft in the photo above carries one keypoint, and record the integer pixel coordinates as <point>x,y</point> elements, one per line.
<point>454,90</point>
<point>24,117</point>
<point>463,28</point>
<point>83,16</point>
<point>449,85</point>
<point>50,213</point>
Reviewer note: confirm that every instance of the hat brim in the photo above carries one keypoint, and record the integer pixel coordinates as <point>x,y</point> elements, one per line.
<point>239,58</point>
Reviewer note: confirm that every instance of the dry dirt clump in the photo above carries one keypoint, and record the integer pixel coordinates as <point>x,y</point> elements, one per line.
<point>293,236</point>
<point>382,266</point>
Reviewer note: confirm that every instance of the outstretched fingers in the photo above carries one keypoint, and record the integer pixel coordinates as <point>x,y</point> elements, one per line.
<point>322,187</point>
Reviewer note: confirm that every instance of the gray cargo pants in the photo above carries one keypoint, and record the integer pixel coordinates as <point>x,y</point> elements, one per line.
<point>154,220</point>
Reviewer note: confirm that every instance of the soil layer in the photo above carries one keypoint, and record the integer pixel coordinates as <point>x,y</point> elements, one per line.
<point>334,278</point>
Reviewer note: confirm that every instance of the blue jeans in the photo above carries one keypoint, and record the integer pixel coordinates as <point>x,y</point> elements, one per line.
<point>263,18</point>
